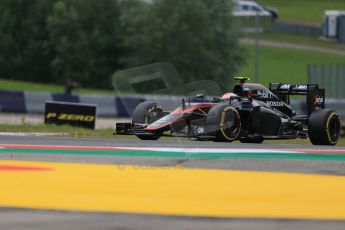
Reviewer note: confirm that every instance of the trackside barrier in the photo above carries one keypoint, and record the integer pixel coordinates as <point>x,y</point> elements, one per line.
<point>65,97</point>
<point>106,105</point>
<point>34,102</point>
<point>292,28</point>
<point>126,105</point>
<point>336,104</point>
<point>12,101</point>
<point>169,103</point>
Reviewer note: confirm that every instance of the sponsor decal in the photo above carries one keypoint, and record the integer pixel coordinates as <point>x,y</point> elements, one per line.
<point>75,114</point>
<point>71,117</point>
<point>201,130</point>
<point>319,100</point>
<point>264,94</point>
<point>275,103</point>
<point>234,101</point>
<point>285,86</point>
<point>298,87</point>
<point>302,87</point>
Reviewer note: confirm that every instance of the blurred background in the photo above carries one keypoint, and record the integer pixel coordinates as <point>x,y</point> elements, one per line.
<point>75,46</point>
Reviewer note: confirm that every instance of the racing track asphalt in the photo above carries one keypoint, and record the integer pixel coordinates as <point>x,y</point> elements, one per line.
<point>43,219</point>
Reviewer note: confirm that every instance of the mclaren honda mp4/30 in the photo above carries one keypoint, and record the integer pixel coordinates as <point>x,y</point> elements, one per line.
<point>251,114</point>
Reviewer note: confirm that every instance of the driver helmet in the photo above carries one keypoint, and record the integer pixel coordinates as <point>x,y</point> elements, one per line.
<point>227,96</point>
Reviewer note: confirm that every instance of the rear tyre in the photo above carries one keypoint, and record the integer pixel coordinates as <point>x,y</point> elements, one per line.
<point>223,122</point>
<point>146,113</point>
<point>324,127</point>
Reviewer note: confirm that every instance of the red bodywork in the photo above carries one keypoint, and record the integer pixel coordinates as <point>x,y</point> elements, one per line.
<point>178,115</point>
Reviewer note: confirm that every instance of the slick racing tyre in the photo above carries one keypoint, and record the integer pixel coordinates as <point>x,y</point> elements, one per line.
<point>146,113</point>
<point>324,127</point>
<point>223,122</point>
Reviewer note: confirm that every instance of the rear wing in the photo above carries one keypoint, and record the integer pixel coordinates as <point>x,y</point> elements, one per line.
<point>315,97</point>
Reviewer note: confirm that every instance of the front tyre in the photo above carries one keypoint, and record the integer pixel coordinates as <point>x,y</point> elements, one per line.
<point>324,127</point>
<point>146,113</point>
<point>223,122</point>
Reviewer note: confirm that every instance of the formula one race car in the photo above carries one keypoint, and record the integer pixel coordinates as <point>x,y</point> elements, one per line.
<point>251,114</point>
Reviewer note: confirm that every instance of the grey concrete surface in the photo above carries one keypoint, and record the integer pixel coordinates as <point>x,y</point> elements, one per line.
<point>15,219</point>
<point>178,142</point>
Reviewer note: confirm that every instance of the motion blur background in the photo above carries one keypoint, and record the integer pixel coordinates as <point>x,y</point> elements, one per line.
<point>43,44</point>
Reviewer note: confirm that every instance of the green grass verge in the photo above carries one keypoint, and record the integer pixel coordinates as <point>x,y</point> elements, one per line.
<point>39,87</point>
<point>304,11</point>
<point>63,130</point>
<point>284,65</point>
<point>300,40</point>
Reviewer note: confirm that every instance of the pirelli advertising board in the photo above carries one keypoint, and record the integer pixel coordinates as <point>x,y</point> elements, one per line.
<point>75,114</point>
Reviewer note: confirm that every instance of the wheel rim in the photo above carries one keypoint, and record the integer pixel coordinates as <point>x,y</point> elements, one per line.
<point>334,128</point>
<point>230,123</point>
<point>153,113</point>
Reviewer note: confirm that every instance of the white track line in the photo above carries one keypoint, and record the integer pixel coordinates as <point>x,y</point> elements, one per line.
<point>209,150</point>
<point>27,134</point>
